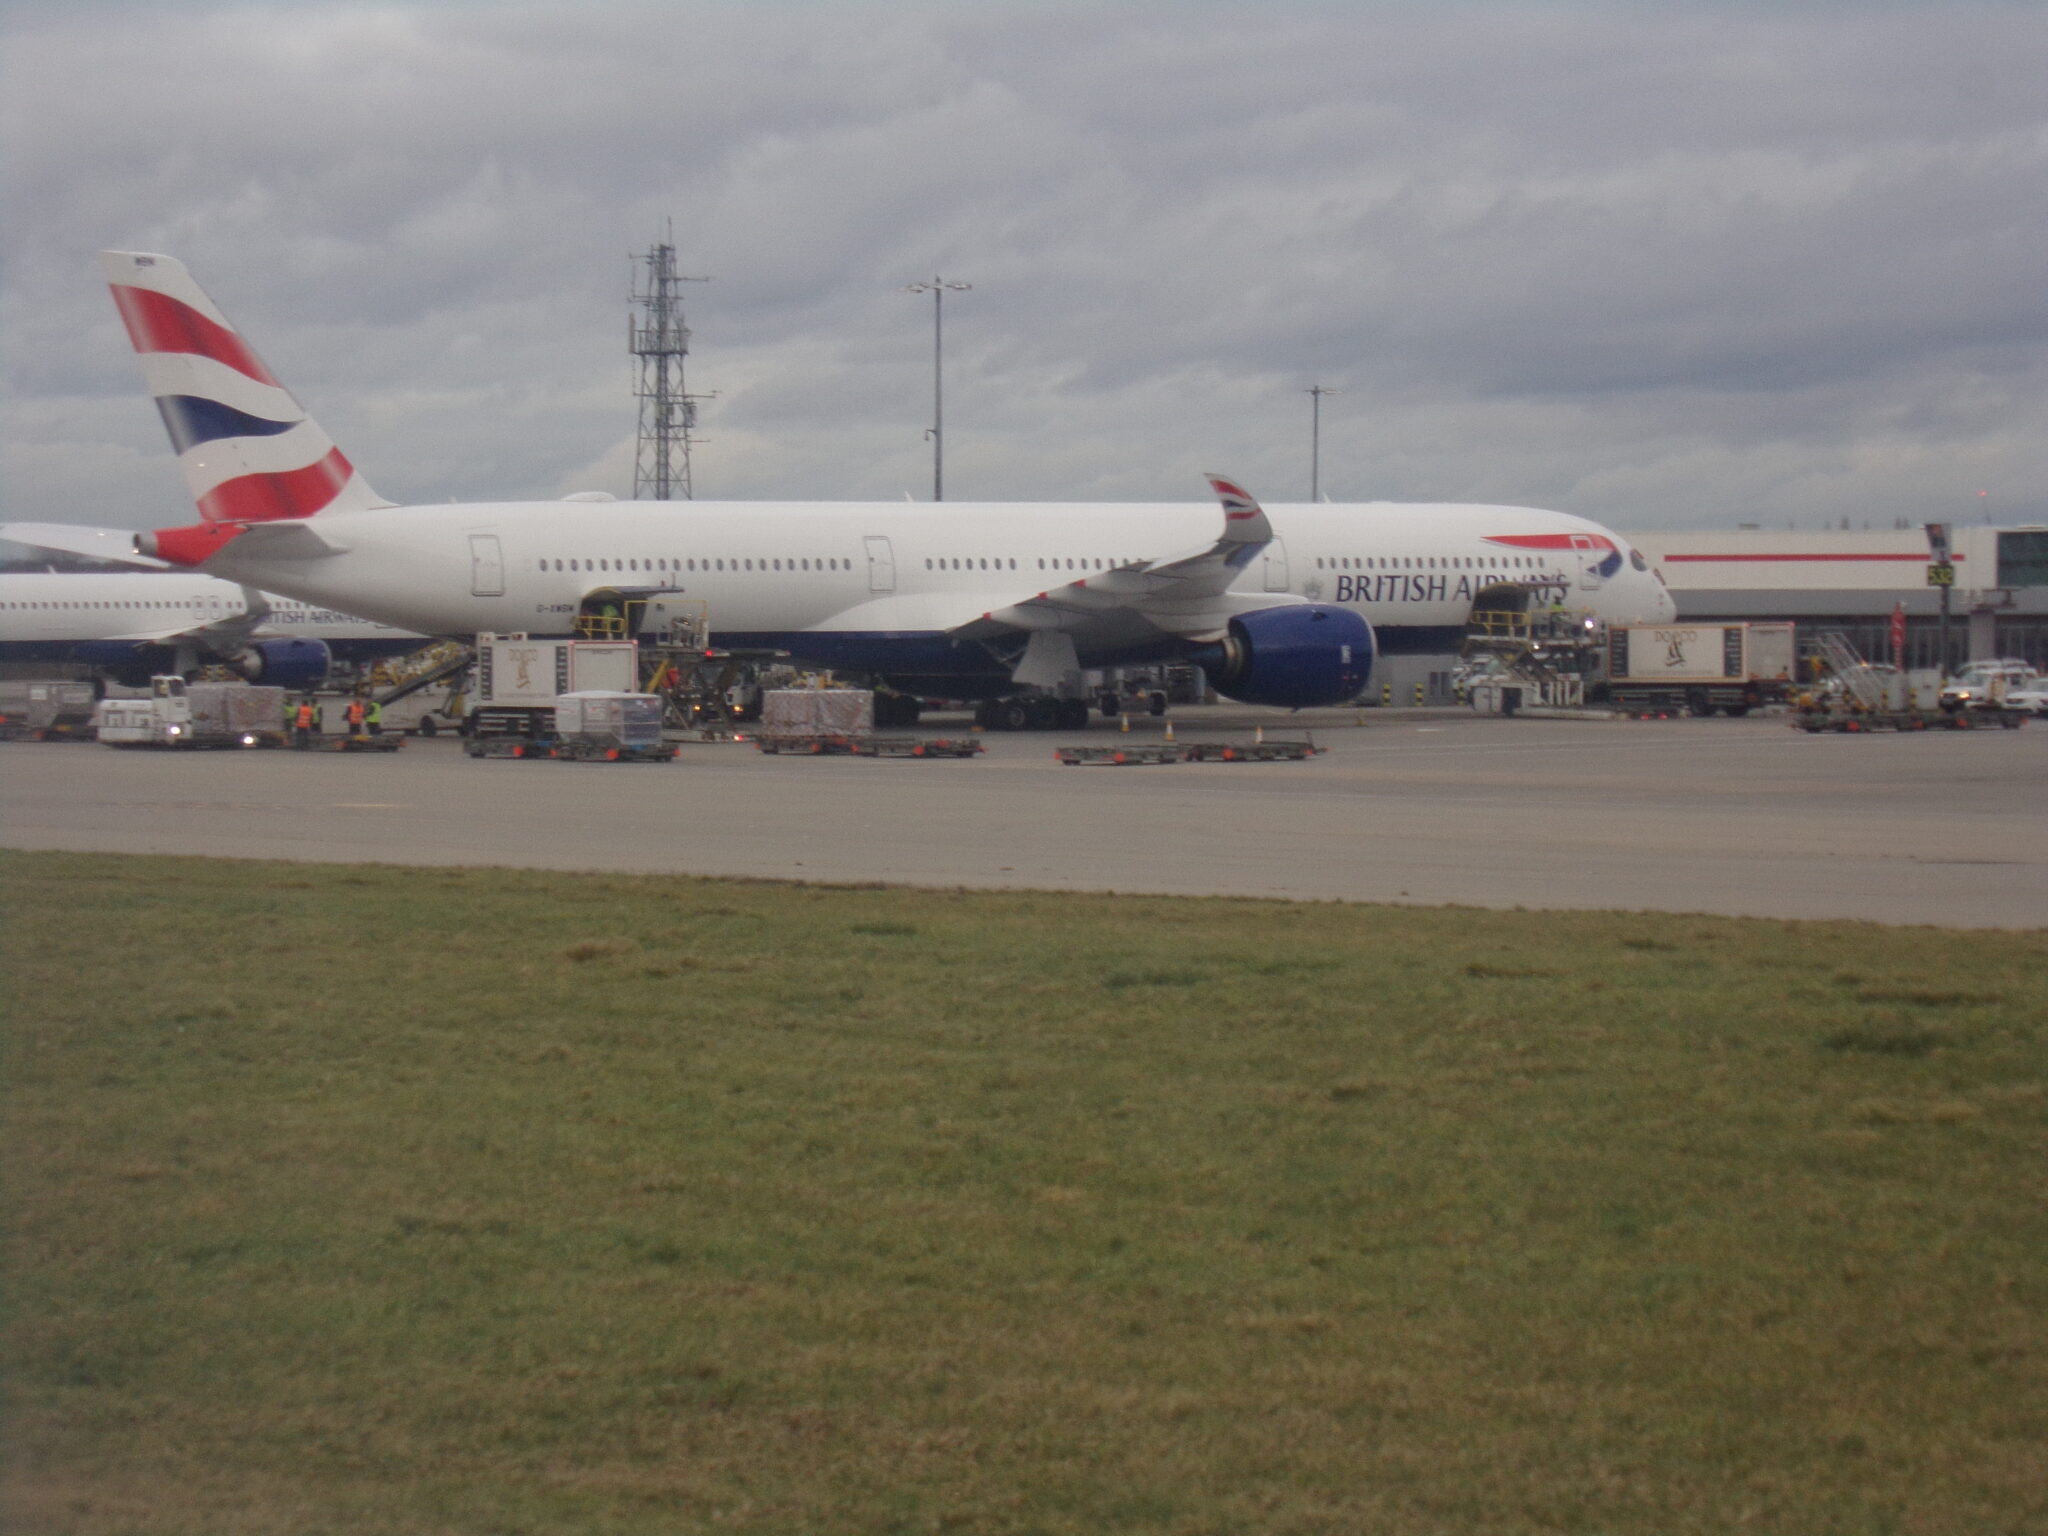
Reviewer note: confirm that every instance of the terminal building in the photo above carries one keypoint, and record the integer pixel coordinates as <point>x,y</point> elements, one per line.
<point>1854,583</point>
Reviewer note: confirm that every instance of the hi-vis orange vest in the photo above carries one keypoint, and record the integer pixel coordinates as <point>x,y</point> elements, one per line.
<point>304,719</point>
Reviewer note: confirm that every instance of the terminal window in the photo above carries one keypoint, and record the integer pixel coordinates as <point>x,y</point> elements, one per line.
<point>2023,558</point>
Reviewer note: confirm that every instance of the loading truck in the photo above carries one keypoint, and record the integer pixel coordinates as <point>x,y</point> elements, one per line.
<point>519,680</point>
<point>176,713</point>
<point>1700,668</point>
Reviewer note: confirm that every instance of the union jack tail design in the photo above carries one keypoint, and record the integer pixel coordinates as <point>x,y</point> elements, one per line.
<point>249,451</point>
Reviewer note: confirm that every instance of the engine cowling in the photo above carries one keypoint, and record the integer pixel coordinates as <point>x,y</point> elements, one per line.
<point>292,662</point>
<point>1296,657</point>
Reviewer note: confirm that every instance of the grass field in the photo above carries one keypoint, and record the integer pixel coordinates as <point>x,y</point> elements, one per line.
<point>409,1200</point>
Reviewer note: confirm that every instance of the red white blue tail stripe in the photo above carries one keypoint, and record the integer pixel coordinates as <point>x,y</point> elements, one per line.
<point>249,451</point>
<point>1238,505</point>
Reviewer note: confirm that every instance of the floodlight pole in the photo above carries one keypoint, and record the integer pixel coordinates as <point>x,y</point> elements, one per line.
<point>1315,393</point>
<point>937,289</point>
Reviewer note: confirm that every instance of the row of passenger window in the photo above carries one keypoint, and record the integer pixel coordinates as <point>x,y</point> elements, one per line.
<point>188,603</point>
<point>678,565</point>
<point>1427,563</point>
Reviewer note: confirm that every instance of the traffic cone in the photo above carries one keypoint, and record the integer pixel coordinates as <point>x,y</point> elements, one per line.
<point>1169,728</point>
<point>1123,722</point>
<point>1259,736</point>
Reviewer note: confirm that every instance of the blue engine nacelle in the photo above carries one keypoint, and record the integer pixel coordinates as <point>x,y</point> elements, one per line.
<point>1295,657</point>
<point>289,663</point>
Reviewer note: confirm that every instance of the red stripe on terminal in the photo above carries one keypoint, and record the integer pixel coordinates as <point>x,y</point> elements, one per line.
<point>1920,559</point>
<point>270,497</point>
<point>159,323</point>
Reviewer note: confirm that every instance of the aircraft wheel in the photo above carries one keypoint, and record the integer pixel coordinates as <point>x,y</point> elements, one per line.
<point>429,726</point>
<point>1014,715</point>
<point>1155,703</point>
<point>1110,705</point>
<point>1073,714</point>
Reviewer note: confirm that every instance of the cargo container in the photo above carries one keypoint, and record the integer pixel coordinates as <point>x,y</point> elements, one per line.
<point>34,710</point>
<point>599,725</point>
<point>817,712</point>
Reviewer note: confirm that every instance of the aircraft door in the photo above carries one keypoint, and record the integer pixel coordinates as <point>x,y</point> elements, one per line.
<point>881,564</point>
<point>1589,561</point>
<point>1276,567</point>
<point>486,566</point>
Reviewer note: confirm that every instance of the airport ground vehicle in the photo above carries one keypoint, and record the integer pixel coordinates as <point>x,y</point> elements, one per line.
<point>33,710</point>
<point>1860,696</point>
<point>2032,700</point>
<point>599,725</point>
<point>519,680</point>
<point>1987,683</point>
<point>1700,668</point>
<point>180,714</point>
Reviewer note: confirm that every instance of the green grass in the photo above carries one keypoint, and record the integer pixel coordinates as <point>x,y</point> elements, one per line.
<point>382,1200</point>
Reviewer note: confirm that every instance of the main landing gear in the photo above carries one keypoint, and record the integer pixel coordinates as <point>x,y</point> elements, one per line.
<point>1031,713</point>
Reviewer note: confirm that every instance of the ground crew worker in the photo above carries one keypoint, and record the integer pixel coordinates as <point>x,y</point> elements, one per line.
<point>357,713</point>
<point>374,718</point>
<point>304,718</point>
<point>319,717</point>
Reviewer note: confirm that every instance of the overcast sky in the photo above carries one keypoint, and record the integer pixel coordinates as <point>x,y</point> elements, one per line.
<point>1665,265</point>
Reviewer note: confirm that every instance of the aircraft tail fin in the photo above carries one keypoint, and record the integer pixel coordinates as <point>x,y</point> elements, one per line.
<point>249,451</point>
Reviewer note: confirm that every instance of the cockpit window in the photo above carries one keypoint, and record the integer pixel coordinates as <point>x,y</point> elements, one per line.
<point>1635,558</point>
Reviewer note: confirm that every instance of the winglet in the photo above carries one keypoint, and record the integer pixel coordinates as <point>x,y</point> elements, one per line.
<point>1244,520</point>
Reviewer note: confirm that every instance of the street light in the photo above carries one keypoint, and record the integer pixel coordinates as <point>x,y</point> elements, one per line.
<point>937,289</point>
<point>1315,438</point>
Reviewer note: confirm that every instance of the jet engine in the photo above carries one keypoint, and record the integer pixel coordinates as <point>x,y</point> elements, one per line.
<point>1295,657</point>
<point>287,663</point>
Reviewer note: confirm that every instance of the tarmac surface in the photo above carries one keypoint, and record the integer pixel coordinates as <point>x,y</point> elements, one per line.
<point>1741,817</point>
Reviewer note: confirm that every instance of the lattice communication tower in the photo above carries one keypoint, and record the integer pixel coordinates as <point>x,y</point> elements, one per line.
<point>657,336</point>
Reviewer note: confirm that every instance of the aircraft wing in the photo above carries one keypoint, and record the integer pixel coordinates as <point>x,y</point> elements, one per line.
<point>114,545</point>
<point>1184,596</point>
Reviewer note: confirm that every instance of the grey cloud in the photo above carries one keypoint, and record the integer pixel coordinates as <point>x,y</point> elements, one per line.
<point>1661,266</point>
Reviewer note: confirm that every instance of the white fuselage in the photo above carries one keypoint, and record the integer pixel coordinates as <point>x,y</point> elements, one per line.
<point>843,577</point>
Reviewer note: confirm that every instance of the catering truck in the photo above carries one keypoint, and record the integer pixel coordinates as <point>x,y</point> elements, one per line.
<point>1699,668</point>
<point>176,713</point>
<point>519,680</point>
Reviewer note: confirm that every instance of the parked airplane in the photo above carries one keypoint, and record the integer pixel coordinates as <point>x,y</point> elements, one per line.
<point>132,625</point>
<point>954,600</point>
